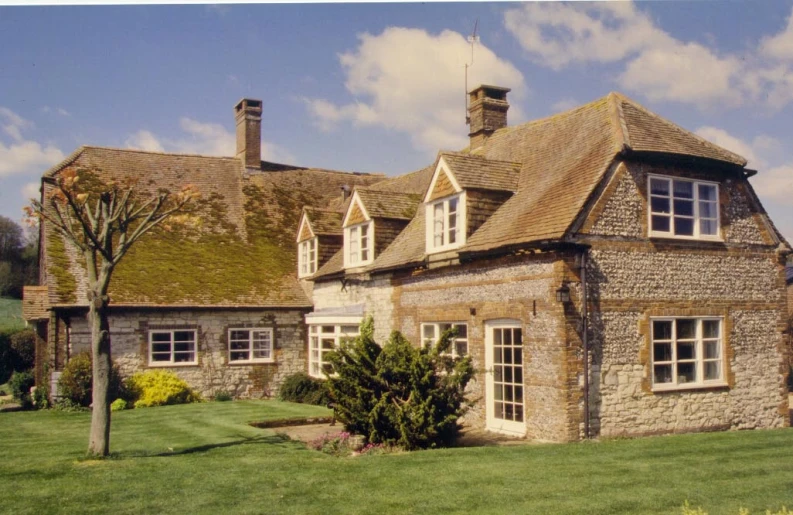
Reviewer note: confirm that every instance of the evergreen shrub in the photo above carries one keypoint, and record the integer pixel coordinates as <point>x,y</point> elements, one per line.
<point>76,381</point>
<point>398,394</point>
<point>159,388</point>
<point>21,383</point>
<point>304,389</point>
<point>23,349</point>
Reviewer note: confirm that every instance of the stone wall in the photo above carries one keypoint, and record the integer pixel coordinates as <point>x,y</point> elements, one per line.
<point>622,210</point>
<point>375,294</point>
<point>129,340</point>
<point>632,277</point>
<point>518,288</point>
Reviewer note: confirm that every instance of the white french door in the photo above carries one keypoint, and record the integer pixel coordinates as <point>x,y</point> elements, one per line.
<point>504,385</point>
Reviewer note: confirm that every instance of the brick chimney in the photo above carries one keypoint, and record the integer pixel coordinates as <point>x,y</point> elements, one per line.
<point>487,112</point>
<point>248,115</point>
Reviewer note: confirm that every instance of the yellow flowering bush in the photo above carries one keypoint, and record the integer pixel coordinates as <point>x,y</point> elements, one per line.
<point>158,388</point>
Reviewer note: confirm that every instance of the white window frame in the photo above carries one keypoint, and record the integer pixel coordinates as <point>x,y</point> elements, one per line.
<point>352,245</point>
<point>333,332</point>
<point>696,217</point>
<point>699,359</point>
<point>460,223</point>
<point>307,257</point>
<point>437,328</point>
<point>171,362</point>
<point>251,340</point>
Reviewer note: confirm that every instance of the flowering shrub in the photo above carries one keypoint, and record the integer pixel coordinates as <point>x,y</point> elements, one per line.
<point>339,444</point>
<point>158,388</point>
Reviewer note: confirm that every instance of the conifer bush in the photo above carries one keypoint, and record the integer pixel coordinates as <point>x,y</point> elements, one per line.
<point>159,388</point>
<point>399,394</point>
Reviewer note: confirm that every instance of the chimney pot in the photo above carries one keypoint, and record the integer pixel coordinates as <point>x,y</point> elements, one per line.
<point>248,117</point>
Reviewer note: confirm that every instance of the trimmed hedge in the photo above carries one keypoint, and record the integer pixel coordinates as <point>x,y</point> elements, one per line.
<point>304,389</point>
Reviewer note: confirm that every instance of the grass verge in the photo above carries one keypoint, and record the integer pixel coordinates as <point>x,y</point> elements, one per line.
<point>205,458</point>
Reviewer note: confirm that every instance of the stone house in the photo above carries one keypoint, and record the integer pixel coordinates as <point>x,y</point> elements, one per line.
<point>608,272</point>
<point>221,305</point>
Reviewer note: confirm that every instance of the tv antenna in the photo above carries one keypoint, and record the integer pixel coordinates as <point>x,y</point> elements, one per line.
<point>472,39</point>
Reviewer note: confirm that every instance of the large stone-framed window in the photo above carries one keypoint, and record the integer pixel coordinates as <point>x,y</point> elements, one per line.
<point>683,208</point>
<point>687,352</point>
<point>445,223</point>
<point>307,257</point>
<point>169,347</point>
<point>251,345</point>
<point>431,333</point>
<point>326,337</point>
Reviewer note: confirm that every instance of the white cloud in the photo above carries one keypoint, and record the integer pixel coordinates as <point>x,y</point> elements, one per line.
<point>208,139</point>
<point>780,46</point>
<point>410,81</point>
<point>775,183</point>
<point>653,62</point>
<point>63,112</point>
<point>726,140</point>
<point>565,104</point>
<point>30,190</point>
<point>556,34</point>
<point>22,155</point>
<point>684,73</point>
<point>144,140</point>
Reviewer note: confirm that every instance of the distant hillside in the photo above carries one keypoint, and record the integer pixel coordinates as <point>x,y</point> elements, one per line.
<point>11,314</point>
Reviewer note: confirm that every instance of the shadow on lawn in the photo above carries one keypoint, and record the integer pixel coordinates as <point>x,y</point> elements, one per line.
<point>275,439</point>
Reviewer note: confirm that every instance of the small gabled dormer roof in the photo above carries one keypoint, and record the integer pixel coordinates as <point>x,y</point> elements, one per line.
<point>370,203</point>
<point>472,172</point>
<point>319,222</point>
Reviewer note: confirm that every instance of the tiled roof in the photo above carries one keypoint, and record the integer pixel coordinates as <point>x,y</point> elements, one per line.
<point>414,184</point>
<point>334,265</point>
<point>561,160</point>
<point>388,204</point>
<point>324,221</point>
<point>35,303</point>
<point>407,248</point>
<point>645,131</point>
<point>476,172</point>
<point>244,252</point>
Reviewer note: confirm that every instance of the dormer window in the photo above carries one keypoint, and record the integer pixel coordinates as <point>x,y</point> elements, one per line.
<point>682,208</point>
<point>307,257</point>
<point>359,244</point>
<point>446,223</point>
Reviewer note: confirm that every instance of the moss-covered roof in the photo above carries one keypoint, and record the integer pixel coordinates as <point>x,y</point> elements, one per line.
<point>243,253</point>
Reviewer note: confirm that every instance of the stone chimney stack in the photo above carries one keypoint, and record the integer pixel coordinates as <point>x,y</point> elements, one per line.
<point>487,112</point>
<point>248,115</point>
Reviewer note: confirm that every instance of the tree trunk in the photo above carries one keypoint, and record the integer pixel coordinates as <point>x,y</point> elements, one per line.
<point>99,443</point>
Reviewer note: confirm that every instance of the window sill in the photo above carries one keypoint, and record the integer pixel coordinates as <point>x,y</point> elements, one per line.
<point>171,365</point>
<point>716,385</point>
<point>710,239</point>
<point>251,362</point>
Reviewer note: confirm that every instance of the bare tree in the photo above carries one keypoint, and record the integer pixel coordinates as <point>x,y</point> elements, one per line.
<point>103,220</point>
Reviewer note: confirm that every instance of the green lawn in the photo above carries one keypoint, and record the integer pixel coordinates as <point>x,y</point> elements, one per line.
<point>204,458</point>
<point>11,314</point>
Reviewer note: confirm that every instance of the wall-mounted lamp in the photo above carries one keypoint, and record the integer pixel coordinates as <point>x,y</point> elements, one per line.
<point>563,294</point>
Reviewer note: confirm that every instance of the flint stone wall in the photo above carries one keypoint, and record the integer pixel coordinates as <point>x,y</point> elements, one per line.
<point>129,340</point>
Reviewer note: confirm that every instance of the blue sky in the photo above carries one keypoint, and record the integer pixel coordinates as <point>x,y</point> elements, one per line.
<point>379,87</point>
